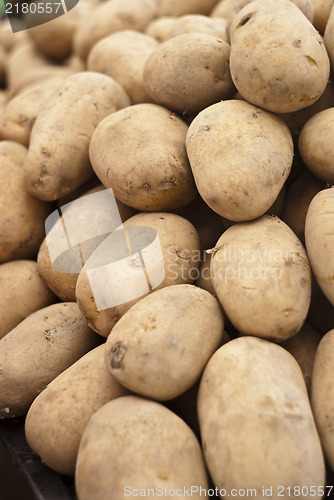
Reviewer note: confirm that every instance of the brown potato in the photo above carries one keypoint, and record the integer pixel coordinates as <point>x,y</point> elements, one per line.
<point>206,81</point>
<point>22,216</point>
<point>136,444</point>
<point>22,291</point>
<point>66,406</point>
<point>109,17</point>
<point>122,56</point>
<point>153,251</point>
<point>37,350</point>
<point>140,153</point>
<point>58,162</point>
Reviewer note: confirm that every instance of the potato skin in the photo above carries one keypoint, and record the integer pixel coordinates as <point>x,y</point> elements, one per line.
<point>159,348</point>
<point>180,247</point>
<point>37,350</point>
<point>140,153</point>
<point>322,394</point>
<point>109,17</point>
<point>122,56</point>
<point>260,270</point>
<point>177,8</point>
<point>329,36</point>
<point>22,291</point>
<point>296,68</point>
<point>206,81</point>
<point>137,443</point>
<point>316,146</point>
<point>239,186</point>
<point>22,216</point>
<point>58,416</point>
<point>318,238</point>
<point>58,162</point>
<point>253,407</point>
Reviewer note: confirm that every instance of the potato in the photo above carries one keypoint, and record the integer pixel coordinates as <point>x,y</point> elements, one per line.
<point>322,394</point>
<point>122,56</point>
<point>101,213</point>
<point>22,216</point>
<point>163,251</point>
<point>222,8</point>
<point>303,347</point>
<point>206,80</point>
<point>177,8</point>
<point>37,350</point>
<point>22,291</point>
<point>256,423</point>
<point>58,416</point>
<point>304,5</point>
<point>322,9</point>
<point>111,16</point>
<point>136,445</point>
<point>55,40</point>
<point>329,36</point>
<point>239,180</point>
<point>8,39</point>
<point>26,66</point>
<point>297,201</point>
<point>140,153</point>
<point>283,69</point>
<point>262,278</point>
<point>160,347</point>
<point>319,240</point>
<point>58,162</point>
<point>165,28</point>
<point>20,113</point>
<point>3,100</point>
<point>316,147</point>
<point>160,28</point>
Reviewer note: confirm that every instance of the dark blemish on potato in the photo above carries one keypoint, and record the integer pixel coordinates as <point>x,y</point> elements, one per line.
<point>118,352</point>
<point>145,185</point>
<point>297,43</point>
<point>115,318</point>
<point>255,115</point>
<point>311,61</point>
<point>204,128</point>
<point>244,20</point>
<point>45,153</point>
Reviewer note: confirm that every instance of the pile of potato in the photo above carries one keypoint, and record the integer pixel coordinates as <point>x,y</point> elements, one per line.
<point>167,246</point>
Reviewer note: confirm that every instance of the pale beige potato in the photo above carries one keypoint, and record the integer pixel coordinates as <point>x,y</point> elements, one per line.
<point>22,216</point>
<point>89,222</point>
<point>261,275</point>
<point>122,56</point>
<point>206,80</point>
<point>256,423</point>
<point>4,97</point>
<point>22,291</point>
<point>297,201</point>
<point>58,416</point>
<point>316,145</point>
<point>140,153</point>
<point>37,350</point>
<point>240,157</point>
<point>283,69</point>
<point>191,23</point>
<point>26,66</point>
<point>160,347</point>
<point>303,347</point>
<point>160,28</point>
<point>139,444</point>
<point>222,9</point>
<point>304,5</point>
<point>20,113</point>
<point>58,160</point>
<point>322,10</point>
<point>178,8</point>
<point>329,36</point>
<point>319,235</point>
<point>114,279</point>
<point>109,17</point>
<point>54,38</point>
<point>322,394</point>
